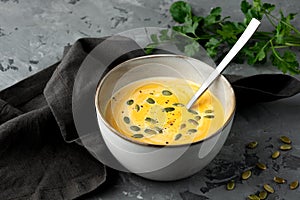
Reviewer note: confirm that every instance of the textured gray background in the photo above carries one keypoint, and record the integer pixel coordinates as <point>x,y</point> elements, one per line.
<point>34,32</point>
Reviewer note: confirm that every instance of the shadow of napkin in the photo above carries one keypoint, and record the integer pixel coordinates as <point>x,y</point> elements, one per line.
<point>38,161</point>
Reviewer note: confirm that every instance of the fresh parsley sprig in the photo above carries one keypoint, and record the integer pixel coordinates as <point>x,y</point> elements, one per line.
<point>217,34</point>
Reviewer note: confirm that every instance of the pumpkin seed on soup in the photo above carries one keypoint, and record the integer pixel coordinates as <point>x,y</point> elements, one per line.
<point>276,154</point>
<point>149,119</point>
<point>150,100</point>
<point>263,195</point>
<point>182,126</point>
<point>252,145</point>
<point>269,188</point>
<point>193,111</point>
<point>178,136</point>
<point>190,131</point>
<point>278,180</point>
<point>261,166</point>
<point>159,130</point>
<point>137,135</point>
<point>208,111</point>
<point>253,197</point>
<point>150,131</point>
<point>135,128</point>
<point>126,120</point>
<point>230,185</point>
<point>130,102</point>
<point>137,107</point>
<point>168,109</point>
<point>167,93</point>
<point>197,118</point>
<point>178,104</point>
<point>285,147</point>
<point>293,185</point>
<point>209,116</point>
<point>194,122</point>
<point>246,174</point>
<point>285,139</point>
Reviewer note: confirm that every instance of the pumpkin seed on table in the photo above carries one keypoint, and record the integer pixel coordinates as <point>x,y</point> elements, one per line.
<point>285,147</point>
<point>279,180</point>
<point>276,154</point>
<point>252,145</point>
<point>168,109</point>
<point>261,166</point>
<point>178,136</point>
<point>263,194</point>
<point>253,197</point>
<point>150,100</point>
<point>130,102</point>
<point>150,131</point>
<point>135,128</point>
<point>230,185</point>
<point>167,93</point>
<point>126,120</point>
<point>194,122</point>
<point>137,135</point>
<point>293,185</point>
<point>269,188</point>
<point>246,174</point>
<point>151,120</point>
<point>285,139</point>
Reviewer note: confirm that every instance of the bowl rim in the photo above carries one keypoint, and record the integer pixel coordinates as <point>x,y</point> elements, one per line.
<point>99,114</point>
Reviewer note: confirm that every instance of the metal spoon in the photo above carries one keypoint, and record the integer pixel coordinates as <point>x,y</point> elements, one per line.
<point>251,28</point>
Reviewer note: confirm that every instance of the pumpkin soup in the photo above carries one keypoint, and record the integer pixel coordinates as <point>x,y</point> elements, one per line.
<point>153,111</point>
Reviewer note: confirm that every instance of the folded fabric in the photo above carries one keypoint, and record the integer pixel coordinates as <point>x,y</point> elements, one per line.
<point>38,159</point>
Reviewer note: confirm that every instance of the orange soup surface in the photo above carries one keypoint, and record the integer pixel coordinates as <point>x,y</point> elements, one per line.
<point>153,111</point>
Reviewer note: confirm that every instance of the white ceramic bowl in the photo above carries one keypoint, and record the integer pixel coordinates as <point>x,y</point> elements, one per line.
<point>159,162</point>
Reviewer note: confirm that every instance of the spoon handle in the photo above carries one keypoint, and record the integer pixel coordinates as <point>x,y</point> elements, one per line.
<point>251,28</point>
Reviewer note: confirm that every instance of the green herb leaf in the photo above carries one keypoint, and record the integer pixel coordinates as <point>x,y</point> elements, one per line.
<point>180,10</point>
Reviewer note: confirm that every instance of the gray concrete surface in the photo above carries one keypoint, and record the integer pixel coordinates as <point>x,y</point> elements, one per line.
<point>33,34</point>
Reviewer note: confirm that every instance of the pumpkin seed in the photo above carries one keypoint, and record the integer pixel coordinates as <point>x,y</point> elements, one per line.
<point>178,104</point>
<point>208,111</point>
<point>261,166</point>
<point>168,109</point>
<point>253,197</point>
<point>193,111</point>
<point>190,131</point>
<point>269,188</point>
<point>151,120</point>
<point>150,100</point>
<point>126,120</point>
<point>230,185</point>
<point>276,154</point>
<point>252,145</point>
<point>137,135</point>
<point>246,174</point>
<point>135,128</point>
<point>182,126</point>
<point>178,136</point>
<point>263,195</point>
<point>167,93</point>
<point>209,116</point>
<point>285,147</point>
<point>130,102</point>
<point>197,118</point>
<point>279,180</point>
<point>294,185</point>
<point>137,107</point>
<point>194,122</point>
<point>150,131</point>
<point>159,130</point>
<point>285,139</point>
